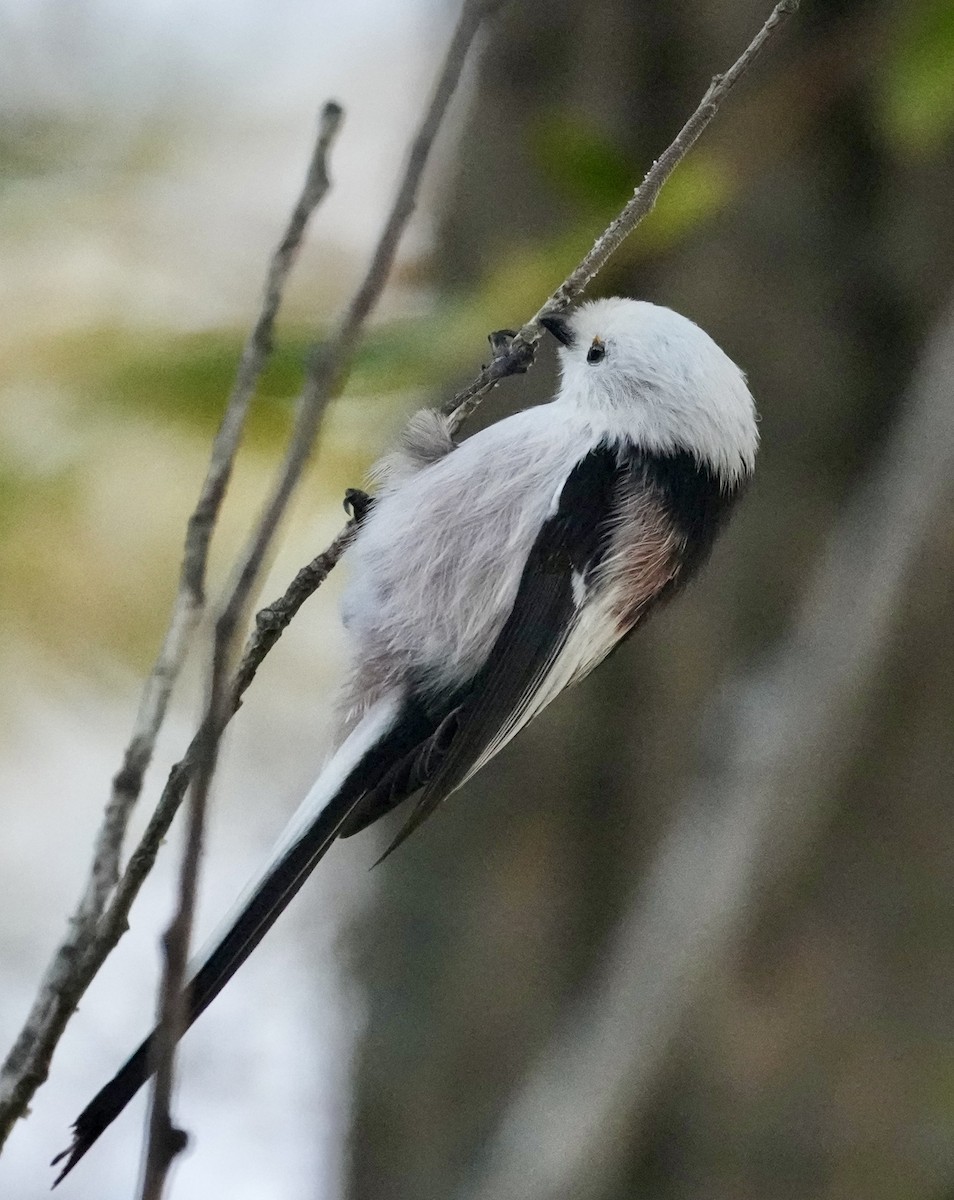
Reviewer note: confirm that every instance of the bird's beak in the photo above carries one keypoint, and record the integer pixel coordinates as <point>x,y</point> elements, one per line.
<point>559,327</point>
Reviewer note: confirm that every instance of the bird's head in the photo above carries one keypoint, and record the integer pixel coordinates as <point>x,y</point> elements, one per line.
<point>659,376</point>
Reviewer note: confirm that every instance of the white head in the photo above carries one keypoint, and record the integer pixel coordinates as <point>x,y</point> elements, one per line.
<point>662,378</point>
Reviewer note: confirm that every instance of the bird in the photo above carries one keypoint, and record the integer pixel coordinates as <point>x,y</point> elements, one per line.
<point>489,575</point>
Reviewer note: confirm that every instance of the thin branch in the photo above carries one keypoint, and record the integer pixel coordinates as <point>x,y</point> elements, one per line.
<point>270,624</point>
<point>190,599</point>
<point>518,355</point>
<point>327,370</point>
<point>776,745</point>
<point>64,981</point>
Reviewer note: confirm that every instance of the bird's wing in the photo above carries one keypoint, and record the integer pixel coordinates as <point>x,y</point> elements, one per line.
<point>607,548</point>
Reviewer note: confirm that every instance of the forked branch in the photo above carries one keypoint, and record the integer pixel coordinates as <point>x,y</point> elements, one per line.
<point>75,961</point>
<point>327,369</point>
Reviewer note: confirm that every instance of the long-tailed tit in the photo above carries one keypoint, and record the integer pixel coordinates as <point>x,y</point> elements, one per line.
<point>489,576</point>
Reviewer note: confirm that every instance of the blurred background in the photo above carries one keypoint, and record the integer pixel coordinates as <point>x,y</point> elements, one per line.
<point>375,1043</point>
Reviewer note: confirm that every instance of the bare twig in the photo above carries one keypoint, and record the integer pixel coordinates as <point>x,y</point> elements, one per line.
<point>327,370</point>
<point>516,357</point>
<point>270,624</point>
<point>777,743</point>
<point>65,980</point>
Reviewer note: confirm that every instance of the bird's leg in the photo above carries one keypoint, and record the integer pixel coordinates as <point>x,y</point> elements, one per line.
<point>512,355</point>
<point>500,341</point>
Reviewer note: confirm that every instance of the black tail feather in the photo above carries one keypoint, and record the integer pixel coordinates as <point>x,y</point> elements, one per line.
<point>105,1107</point>
<point>258,916</point>
<point>264,908</point>
<point>390,767</point>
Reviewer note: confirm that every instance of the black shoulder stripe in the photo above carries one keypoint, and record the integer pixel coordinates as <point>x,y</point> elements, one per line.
<point>574,538</point>
<point>695,499</point>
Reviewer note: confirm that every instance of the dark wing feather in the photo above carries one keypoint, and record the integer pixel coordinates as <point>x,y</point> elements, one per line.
<point>407,776</point>
<point>571,543</point>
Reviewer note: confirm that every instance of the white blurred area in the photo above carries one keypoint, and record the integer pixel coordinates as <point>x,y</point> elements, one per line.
<point>158,147</point>
<point>180,132</point>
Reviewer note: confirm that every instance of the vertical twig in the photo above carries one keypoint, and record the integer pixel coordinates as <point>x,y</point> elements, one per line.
<point>327,369</point>
<point>67,976</point>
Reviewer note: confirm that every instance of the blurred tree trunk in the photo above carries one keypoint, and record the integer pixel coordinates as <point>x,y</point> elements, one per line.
<point>819,273</point>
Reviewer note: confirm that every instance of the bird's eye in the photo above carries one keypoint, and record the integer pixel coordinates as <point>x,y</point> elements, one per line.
<point>596,352</point>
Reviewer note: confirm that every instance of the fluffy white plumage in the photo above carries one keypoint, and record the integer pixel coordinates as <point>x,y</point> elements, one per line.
<point>437,566</point>
<point>664,380</point>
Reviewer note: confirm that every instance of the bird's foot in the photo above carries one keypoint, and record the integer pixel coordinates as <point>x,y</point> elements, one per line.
<point>516,360</point>
<point>357,504</point>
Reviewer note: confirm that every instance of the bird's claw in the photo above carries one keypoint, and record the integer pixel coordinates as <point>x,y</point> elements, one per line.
<point>501,343</point>
<point>357,504</point>
<point>501,340</point>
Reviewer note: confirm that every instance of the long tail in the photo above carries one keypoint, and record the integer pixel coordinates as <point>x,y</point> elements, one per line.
<point>362,757</point>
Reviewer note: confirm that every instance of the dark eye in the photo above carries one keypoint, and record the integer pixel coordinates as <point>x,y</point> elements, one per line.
<point>596,352</point>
